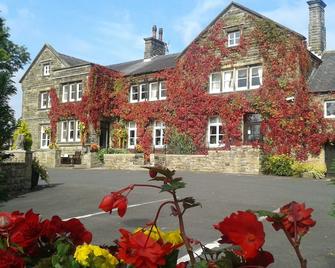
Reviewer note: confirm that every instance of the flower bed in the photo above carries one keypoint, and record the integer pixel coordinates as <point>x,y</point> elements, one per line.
<point>28,241</point>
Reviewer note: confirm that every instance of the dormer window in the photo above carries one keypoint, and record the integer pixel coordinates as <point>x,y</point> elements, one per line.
<point>234,38</point>
<point>46,69</point>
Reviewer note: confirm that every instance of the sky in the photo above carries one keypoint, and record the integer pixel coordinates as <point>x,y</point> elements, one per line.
<point>112,31</point>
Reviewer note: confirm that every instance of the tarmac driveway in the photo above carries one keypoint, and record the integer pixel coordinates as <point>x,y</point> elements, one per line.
<point>77,193</point>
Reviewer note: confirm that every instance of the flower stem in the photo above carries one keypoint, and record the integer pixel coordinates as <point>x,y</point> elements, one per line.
<point>182,230</point>
<point>295,244</point>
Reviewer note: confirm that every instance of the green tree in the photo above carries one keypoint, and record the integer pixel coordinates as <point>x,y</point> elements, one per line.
<point>12,58</point>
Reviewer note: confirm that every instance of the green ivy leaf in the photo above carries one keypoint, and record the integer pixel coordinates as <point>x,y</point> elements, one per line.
<point>189,202</point>
<point>162,170</point>
<point>201,264</point>
<point>225,263</point>
<point>171,260</point>
<point>174,185</point>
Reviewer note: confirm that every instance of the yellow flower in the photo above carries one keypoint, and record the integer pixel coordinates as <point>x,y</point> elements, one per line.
<point>173,237</point>
<point>92,254</point>
<point>156,232</point>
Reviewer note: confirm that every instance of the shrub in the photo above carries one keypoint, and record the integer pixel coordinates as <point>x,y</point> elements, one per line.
<point>180,143</point>
<point>315,170</point>
<point>280,165</point>
<point>22,128</point>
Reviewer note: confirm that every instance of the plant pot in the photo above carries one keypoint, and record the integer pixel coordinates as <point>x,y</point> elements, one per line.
<point>34,178</point>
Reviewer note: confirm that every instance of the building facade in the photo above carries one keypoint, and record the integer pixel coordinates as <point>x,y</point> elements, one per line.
<point>240,82</point>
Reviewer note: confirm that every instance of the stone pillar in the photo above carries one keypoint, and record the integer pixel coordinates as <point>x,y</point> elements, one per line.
<point>317,28</point>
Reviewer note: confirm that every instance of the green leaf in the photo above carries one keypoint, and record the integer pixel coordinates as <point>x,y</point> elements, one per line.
<point>225,263</point>
<point>171,260</point>
<point>201,264</point>
<point>162,170</point>
<point>189,202</point>
<point>266,213</point>
<point>174,185</point>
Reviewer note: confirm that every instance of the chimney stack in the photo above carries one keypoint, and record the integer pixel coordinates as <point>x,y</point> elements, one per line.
<point>317,28</point>
<point>160,34</point>
<point>152,45</point>
<point>154,31</point>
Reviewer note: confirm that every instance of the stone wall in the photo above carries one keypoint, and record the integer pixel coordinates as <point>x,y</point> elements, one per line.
<point>48,158</point>
<point>17,173</point>
<point>124,161</point>
<point>244,160</point>
<point>90,160</point>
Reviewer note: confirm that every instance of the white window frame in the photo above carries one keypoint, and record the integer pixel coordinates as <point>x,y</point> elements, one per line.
<point>70,130</point>
<point>72,92</point>
<point>79,94</point>
<point>229,89</point>
<point>44,95</point>
<point>132,127</point>
<point>77,131</point>
<point>260,76</point>
<point>65,92</point>
<point>151,98</point>
<point>217,125</point>
<point>132,100</point>
<point>159,126</point>
<point>232,36</point>
<point>64,130</point>
<point>161,89</point>
<point>325,109</point>
<point>211,90</point>
<point>46,69</point>
<point>237,88</point>
<point>44,137</point>
<point>148,92</point>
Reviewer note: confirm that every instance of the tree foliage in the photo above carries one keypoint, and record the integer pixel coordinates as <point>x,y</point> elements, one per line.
<point>12,59</point>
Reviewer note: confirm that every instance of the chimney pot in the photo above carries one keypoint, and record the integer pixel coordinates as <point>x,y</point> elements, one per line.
<point>154,31</point>
<point>160,34</point>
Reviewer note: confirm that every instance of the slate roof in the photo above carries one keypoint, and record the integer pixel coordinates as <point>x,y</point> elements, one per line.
<point>323,79</point>
<point>72,61</point>
<point>155,64</point>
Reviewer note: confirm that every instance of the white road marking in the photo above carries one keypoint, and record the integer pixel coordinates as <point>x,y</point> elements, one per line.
<point>214,244</point>
<point>103,212</point>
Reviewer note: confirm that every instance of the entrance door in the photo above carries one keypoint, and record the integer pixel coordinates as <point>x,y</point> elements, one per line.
<point>104,134</point>
<point>330,159</point>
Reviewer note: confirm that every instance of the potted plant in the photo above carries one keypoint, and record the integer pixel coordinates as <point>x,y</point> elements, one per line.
<point>37,170</point>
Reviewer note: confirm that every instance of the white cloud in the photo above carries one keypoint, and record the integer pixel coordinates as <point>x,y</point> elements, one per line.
<point>193,23</point>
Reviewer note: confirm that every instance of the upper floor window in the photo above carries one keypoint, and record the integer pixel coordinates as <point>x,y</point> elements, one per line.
<point>72,92</point>
<point>236,79</point>
<point>70,131</point>
<point>234,38</point>
<point>329,108</point>
<point>252,127</point>
<point>132,131</point>
<point>45,102</point>
<point>148,91</point>
<point>45,139</point>
<point>215,132</point>
<point>158,134</point>
<point>46,69</point>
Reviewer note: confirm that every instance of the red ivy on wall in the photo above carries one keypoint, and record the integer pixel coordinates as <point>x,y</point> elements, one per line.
<point>296,127</point>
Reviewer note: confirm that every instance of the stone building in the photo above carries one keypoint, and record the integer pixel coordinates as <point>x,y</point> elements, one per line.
<point>68,75</point>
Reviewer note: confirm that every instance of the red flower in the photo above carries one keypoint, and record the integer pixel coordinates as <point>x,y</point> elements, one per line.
<point>152,173</point>
<point>182,265</point>
<point>141,251</point>
<point>243,229</point>
<point>114,200</point>
<point>77,232</point>
<point>263,259</point>
<point>8,259</point>
<point>27,232</point>
<point>9,220</point>
<point>297,219</point>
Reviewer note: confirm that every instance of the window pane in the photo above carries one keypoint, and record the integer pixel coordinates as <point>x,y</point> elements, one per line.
<point>256,76</point>
<point>330,108</point>
<point>154,91</point>
<point>212,130</point>
<point>212,140</point>
<point>134,93</point>
<point>64,131</point>
<point>242,78</point>
<point>162,89</point>
<point>228,82</point>
<point>79,91</point>
<point>65,93</point>
<point>144,92</point>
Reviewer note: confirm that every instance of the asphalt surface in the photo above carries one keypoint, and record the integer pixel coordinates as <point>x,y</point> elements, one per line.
<point>78,192</point>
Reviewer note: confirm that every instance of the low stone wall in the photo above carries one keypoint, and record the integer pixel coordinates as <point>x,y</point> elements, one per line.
<point>124,161</point>
<point>17,173</point>
<point>48,158</point>
<point>244,160</point>
<point>90,160</point>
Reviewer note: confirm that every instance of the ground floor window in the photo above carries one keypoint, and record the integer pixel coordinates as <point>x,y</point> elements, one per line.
<point>45,138</point>
<point>70,131</point>
<point>132,135</point>
<point>215,132</point>
<point>252,127</point>
<point>158,134</point>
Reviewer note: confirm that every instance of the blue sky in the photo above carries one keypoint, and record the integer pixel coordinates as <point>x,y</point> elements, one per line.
<point>112,31</point>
